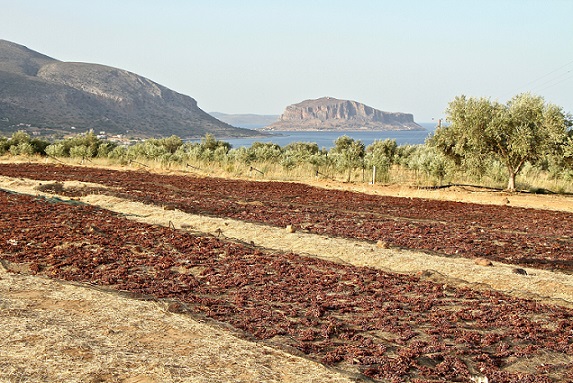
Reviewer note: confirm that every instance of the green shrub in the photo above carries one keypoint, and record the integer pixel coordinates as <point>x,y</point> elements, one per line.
<point>80,151</point>
<point>382,155</point>
<point>4,147</point>
<point>57,149</point>
<point>348,154</point>
<point>23,148</point>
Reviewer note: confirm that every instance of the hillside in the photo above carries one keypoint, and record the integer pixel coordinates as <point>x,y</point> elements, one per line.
<point>43,94</point>
<point>328,113</point>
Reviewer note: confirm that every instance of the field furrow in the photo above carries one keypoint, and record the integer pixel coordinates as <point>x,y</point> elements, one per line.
<point>381,325</point>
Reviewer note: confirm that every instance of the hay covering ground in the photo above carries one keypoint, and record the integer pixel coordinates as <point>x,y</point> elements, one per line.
<point>52,331</point>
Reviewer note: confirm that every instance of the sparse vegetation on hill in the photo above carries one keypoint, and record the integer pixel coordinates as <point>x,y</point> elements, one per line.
<point>51,97</point>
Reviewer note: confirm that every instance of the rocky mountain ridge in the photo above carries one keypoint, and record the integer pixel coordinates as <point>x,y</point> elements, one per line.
<point>328,113</point>
<point>49,96</point>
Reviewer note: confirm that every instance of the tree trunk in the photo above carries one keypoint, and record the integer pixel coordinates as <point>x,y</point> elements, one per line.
<point>511,181</point>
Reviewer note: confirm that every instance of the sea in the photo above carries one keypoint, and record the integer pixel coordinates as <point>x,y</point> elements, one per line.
<point>326,139</point>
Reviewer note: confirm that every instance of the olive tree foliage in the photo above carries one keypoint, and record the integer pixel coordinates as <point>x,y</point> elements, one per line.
<point>171,144</point>
<point>175,150</point>
<point>22,144</point>
<point>382,155</point>
<point>348,154</point>
<point>424,161</point>
<point>560,166</point>
<point>209,142</point>
<point>81,146</point>
<point>162,149</point>
<point>526,129</point>
<point>19,144</point>
<point>212,149</point>
<point>4,147</point>
<point>297,153</point>
<point>258,152</point>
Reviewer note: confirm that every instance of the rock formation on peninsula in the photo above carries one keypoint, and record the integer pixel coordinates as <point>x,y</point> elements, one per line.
<point>331,114</point>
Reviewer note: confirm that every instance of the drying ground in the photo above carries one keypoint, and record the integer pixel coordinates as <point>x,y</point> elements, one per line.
<point>183,278</point>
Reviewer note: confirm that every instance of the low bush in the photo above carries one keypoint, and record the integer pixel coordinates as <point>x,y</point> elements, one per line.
<point>348,160</point>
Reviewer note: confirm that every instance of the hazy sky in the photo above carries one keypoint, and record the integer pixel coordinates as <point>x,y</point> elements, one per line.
<point>251,56</point>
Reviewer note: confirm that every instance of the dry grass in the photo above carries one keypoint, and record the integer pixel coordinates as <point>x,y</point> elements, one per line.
<point>405,184</point>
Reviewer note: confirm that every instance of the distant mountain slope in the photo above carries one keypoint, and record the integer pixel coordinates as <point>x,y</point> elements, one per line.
<point>39,91</point>
<point>329,113</point>
<point>250,121</point>
<point>18,59</point>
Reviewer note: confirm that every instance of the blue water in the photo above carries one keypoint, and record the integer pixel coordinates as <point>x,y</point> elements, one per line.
<point>326,139</point>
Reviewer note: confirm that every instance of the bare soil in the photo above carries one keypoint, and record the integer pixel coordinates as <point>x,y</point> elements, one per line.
<point>81,332</point>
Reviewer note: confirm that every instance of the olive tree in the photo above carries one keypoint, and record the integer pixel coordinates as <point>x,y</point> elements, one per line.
<point>526,129</point>
<point>213,149</point>
<point>266,151</point>
<point>83,145</point>
<point>381,154</point>
<point>4,146</point>
<point>297,153</point>
<point>22,144</point>
<point>348,154</point>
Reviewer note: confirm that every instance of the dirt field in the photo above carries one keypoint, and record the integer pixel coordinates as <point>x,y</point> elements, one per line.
<point>60,331</point>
